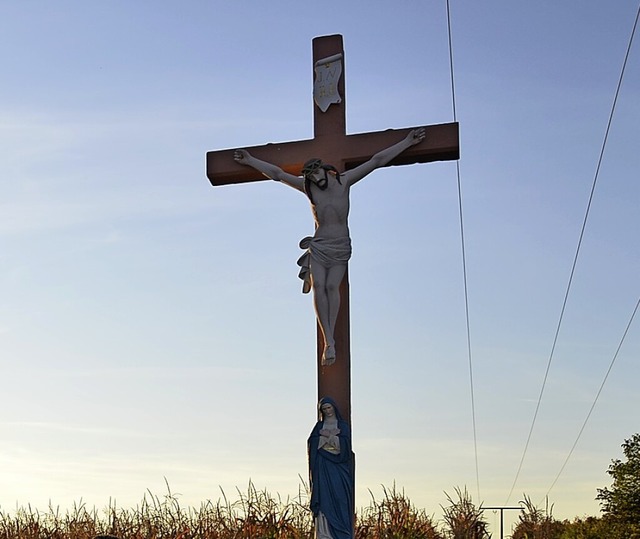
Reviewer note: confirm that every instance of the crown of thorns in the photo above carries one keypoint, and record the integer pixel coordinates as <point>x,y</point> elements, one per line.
<point>311,166</point>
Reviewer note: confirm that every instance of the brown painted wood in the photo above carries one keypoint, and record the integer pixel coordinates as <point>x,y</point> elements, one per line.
<point>342,151</point>
<point>335,147</point>
<point>334,121</point>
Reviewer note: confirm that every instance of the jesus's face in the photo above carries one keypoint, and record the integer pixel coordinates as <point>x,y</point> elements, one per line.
<point>316,173</point>
<point>320,178</point>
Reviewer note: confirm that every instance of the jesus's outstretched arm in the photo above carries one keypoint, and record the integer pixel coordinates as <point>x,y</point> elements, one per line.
<point>270,170</point>
<point>383,157</point>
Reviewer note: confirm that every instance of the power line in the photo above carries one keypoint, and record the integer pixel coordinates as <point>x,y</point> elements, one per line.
<point>575,259</point>
<point>584,424</point>
<point>453,85</point>
<point>464,261</point>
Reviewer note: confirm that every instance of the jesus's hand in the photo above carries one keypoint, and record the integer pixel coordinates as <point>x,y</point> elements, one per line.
<point>416,136</point>
<point>241,156</point>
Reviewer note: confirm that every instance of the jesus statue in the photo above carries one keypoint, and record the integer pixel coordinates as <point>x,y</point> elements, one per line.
<point>327,252</point>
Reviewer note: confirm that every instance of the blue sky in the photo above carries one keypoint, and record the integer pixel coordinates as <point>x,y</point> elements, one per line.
<point>152,326</point>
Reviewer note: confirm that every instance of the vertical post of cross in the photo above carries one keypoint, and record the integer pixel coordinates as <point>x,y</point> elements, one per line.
<point>335,380</point>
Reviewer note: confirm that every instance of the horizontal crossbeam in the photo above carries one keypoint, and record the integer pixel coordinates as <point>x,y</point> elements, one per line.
<point>440,144</point>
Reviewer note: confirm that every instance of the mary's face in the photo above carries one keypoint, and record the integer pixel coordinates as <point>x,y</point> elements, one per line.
<point>327,410</point>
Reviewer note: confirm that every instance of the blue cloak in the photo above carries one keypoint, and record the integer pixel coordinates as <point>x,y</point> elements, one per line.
<point>332,478</point>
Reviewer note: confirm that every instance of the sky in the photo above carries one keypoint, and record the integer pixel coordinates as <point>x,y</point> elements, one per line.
<point>152,327</point>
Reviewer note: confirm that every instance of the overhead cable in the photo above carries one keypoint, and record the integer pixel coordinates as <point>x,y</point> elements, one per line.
<point>575,259</point>
<point>464,263</point>
<point>584,424</point>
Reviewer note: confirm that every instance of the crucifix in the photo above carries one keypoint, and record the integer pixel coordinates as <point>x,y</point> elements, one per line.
<point>349,155</point>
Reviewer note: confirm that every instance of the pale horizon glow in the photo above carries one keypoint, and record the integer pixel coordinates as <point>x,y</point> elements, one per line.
<point>152,327</point>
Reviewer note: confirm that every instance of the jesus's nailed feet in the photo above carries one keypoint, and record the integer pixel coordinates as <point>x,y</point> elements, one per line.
<point>329,356</point>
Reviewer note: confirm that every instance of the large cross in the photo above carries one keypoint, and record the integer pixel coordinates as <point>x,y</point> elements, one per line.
<point>332,144</point>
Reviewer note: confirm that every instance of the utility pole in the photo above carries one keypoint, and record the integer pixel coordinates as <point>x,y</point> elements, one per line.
<point>502,510</point>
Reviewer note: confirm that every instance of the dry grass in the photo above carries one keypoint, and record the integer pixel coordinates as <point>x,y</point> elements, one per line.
<point>463,519</point>
<point>253,514</point>
<point>394,517</point>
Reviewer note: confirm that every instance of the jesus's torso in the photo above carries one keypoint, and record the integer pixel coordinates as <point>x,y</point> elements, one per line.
<point>331,210</point>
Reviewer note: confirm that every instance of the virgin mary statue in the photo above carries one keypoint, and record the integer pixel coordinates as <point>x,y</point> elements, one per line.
<point>331,474</point>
